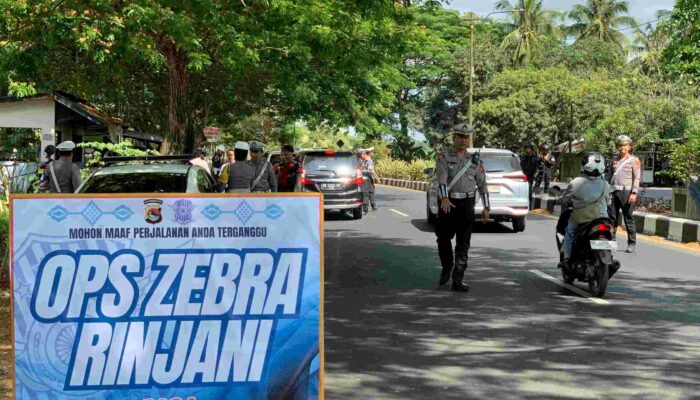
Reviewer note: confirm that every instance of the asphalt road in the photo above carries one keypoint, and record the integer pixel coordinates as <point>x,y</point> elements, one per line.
<point>391,333</point>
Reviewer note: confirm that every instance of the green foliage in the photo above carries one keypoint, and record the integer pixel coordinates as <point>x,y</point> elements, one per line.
<point>530,24</point>
<point>601,19</point>
<point>124,149</point>
<point>4,240</point>
<point>685,156</point>
<point>682,56</point>
<point>399,169</point>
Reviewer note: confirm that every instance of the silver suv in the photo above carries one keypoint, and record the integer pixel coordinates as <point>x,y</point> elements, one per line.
<point>507,186</point>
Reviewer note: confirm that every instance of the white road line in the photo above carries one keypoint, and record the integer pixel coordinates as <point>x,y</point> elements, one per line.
<point>570,287</point>
<point>399,212</point>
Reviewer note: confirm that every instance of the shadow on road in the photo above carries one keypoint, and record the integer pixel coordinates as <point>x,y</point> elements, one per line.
<point>392,334</point>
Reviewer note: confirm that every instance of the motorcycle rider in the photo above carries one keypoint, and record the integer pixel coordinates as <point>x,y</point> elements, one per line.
<point>589,195</point>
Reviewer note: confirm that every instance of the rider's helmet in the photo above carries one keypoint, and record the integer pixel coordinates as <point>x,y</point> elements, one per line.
<point>593,165</point>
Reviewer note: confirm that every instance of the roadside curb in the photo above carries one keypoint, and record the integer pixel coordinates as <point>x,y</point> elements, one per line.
<point>406,184</point>
<point>675,229</point>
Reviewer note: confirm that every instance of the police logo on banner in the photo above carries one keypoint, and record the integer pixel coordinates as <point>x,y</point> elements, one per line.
<point>154,213</point>
<point>183,211</point>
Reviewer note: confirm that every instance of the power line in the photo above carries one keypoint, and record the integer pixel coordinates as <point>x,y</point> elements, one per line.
<point>644,23</point>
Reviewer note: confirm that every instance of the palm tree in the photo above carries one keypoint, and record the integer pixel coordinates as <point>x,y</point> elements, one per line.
<point>529,24</point>
<point>601,19</point>
<point>649,44</point>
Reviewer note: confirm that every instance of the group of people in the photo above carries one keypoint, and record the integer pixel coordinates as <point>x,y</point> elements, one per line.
<point>538,166</point>
<point>596,194</point>
<point>60,175</point>
<point>246,170</point>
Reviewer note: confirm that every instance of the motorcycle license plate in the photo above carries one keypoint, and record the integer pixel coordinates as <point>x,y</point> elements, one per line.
<point>603,245</point>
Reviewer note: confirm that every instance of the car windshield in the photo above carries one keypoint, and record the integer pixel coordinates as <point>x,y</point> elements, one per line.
<point>157,182</point>
<point>342,165</point>
<point>500,163</point>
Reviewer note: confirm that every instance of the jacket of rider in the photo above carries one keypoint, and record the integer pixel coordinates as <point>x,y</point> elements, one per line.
<point>589,197</point>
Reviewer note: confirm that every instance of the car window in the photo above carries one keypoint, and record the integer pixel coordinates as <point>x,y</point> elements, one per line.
<point>500,163</point>
<point>160,182</point>
<point>344,165</point>
<point>203,183</point>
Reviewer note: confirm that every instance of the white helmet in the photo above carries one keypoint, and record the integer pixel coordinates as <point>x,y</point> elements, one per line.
<point>593,164</point>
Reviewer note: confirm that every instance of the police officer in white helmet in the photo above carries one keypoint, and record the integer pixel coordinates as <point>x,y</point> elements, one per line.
<point>64,176</point>
<point>625,176</point>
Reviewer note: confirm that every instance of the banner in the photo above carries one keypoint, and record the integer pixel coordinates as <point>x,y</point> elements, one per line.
<point>167,297</point>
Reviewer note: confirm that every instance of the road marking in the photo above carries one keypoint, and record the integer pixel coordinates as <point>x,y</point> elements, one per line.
<point>399,212</point>
<point>570,287</point>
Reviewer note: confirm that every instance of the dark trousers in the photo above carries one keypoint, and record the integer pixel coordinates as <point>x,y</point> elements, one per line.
<point>544,175</point>
<point>368,196</point>
<point>458,222</point>
<point>530,182</point>
<point>621,202</point>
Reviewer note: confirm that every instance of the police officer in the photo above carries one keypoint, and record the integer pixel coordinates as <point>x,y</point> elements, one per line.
<point>370,178</point>
<point>287,170</point>
<point>459,176</point>
<point>265,179</point>
<point>544,170</point>
<point>237,177</point>
<point>64,176</point>
<point>529,163</point>
<point>624,177</point>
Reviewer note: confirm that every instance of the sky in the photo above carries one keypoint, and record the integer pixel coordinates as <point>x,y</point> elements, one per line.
<point>642,10</point>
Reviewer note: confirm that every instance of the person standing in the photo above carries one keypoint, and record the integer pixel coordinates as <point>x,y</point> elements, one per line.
<point>544,170</point>
<point>237,176</point>
<point>287,170</point>
<point>625,176</point>
<point>459,175</point>
<point>370,178</point>
<point>200,160</point>
<point>64,176</point>
<point>265,179</point>
<point>529,166</point>
<point>218,161</point>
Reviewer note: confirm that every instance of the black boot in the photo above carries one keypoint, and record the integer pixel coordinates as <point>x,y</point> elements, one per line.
<point>460,286</point>
<point>444,277</point>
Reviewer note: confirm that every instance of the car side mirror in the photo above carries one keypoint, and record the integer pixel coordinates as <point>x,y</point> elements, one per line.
<point>429,171</point>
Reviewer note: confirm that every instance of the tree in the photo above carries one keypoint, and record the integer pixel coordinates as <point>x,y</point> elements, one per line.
<point>650,43</point>
<point>529,25</point>
<point>601,19</point>
<point>682,56</point>
<point>211,60</point>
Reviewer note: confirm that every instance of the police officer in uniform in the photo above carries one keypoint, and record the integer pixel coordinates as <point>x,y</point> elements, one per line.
<point>529,164</point>
<point>459,176</point>
<point>237,177</point>
<point>265,179</point>
<point>370,178</point>
<point>64,176</point>
<point>624,178</point>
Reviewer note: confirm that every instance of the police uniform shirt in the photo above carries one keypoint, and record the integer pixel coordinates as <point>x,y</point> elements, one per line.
<point>448,166</point>
<point>626,173</point>
<point>268,181</point>
<point>240,176</point>
<point>367,167</point>
<point>67,175</point>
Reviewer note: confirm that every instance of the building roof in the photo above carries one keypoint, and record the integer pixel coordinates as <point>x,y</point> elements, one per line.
<point>76,104</point>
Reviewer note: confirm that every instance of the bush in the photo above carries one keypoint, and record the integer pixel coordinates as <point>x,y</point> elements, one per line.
<point>398,169</point>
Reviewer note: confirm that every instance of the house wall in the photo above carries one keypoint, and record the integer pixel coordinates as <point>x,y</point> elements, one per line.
<point>39,113</point>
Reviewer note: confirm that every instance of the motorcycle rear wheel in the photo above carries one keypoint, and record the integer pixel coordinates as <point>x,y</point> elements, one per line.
<point>599,284</point>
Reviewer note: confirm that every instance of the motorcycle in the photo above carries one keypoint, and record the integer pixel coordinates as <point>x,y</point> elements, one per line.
<point>591,256</point>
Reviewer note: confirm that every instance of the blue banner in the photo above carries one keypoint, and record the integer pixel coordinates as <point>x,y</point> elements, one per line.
<point>139,298</point>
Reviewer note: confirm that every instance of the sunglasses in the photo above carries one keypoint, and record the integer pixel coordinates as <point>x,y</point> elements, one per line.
<point>256,151</point>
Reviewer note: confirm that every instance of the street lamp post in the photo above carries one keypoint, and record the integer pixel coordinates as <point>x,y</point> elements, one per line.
<point>471,64</point>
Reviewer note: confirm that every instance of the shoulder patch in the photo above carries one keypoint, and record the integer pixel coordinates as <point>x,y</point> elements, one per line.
<point>441,156</point>
<point>481,167</point>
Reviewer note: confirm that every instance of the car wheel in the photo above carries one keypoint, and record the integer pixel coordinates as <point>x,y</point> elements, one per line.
<point>357,213</point>
<point>518,224</point>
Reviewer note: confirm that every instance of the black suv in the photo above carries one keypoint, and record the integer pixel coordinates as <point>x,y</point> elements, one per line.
<point>337,175</point>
